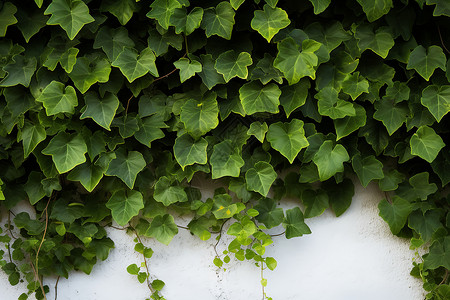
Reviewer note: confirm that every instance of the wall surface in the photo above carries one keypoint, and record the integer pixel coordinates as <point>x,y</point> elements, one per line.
<point>351,257</point>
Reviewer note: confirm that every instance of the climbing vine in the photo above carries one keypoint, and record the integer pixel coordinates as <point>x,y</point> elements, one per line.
<point>109,109</point>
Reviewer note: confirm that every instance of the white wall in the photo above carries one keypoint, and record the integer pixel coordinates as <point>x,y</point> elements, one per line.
<point>351,257</point>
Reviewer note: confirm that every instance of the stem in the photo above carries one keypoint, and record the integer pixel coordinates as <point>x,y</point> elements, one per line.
<point>278,234</point>
<point>185,41</point>
<point>262,277</point>
<point>128,104</point>
<point>183,227</point>
<point>220,236</point>
<point>445,277</point>
<point>442,41</point>
<point>56,287</point>
<point>145,261</point>
<point>165,76</point>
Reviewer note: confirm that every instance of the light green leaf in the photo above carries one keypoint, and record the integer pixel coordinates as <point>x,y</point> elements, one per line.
<point>260,178</point>
<point>294,223</point>
<point>395,213</point>
<point>7,17</point>
<point>88,71</point>
<point>134,65</point>
<point>258,98</point>
<point>88,174</point>
<point>330,160</point>
<point>150,129</point>
<point>188,151</point>
<point>426,144</point>
<point>367,168</point>
<point>200,116</point>
<point>442,8</point>
<point>162,228</point>
<point>225,160</point>
<point>294,62</point>
<point>294,96</point>
<point>347,125</point>
<point>392,115</point>
<point>269,21</point>
<point>126,166</point>
<point>67,151</point>
<point>31,135</point>
<point>224,207</point>
<point>287,138</point>
<point>269,214</point>
<point>187,67</point>
<point>354,85</point>
<point>379,41</point>
<point>236,3</point>
<point>375,9</point>
<point>230,65</point>
<point>184,22</point>
<point>71,15</point>
<point>124,205</point>
<point>421,186</point>
<point>57,98</point>
<point>19,72</point>
<point>330,105</point>
<point>425,61</point>
<point>102,111</point>
<point>112,41</point>
<point>122,9</point>
<point>320,5</point>
<point>162,10</point>
<point>437,100</point>
<point>258,130</point>
<point>315,201</point>
<point>219,20</point>
<point>168,194</point>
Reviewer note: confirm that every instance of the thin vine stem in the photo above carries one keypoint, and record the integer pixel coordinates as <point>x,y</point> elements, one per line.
<point>278,234</point>
<point>145,260</point>
<point>219,237</point>
<point>56,287</point>
<point>442,41</point>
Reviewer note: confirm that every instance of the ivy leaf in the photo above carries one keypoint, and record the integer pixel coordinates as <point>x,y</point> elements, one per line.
<point>441,165</point>
<point>330,105</point>
<point>150,129</point>
<point>19,72</point>
<point>421,187</point>
<point>287,138</point>
<point>236,3</point>
<point>426,144</point>
<point>128,125</point>
<point>88,174</point>
<point>265,71</point>
<point>219,20</point>
<point>184,22</point>
<point>200,116</point>
<point>375,9</point>
<point>330,35</point>
<point>71,15</point>
<point>224,208</point>
<point>187,67</point>
<point>67,151</point>
<point>425,61</point>
<point>260,178</point>
<point>315,201</point>
<point>347,125</point>
<point>123,9</point>
<point>58,98</point>
<point>168,194</point>
<point>88,71</point>
<point>258,130</point>
<point>33,187</point>
<point>209,75</point>
<point>269,214</point>
<point>269,21</point>
<point>225,160</point>
<point>7,17</point>
<point>31,135</point>
<point>162,10</point>
<point>354,85</point>
<point>30,24</point>
<point>258,98</point>
<point>162,228</point>
<point>395,213</point>
<point>367,168</point>
<point>330,160</point>
<point>391,180</point>
<point>379,41</point>
<point>340,195</point>
<point>295,63</point>
<point>294,96</point>
<point>442,8</point>
<point>102,111</point>
<point>112,41</point>
<point>294,223</point>
<point>188,151</point>
<point>391,114</point>
<point>438,256</point>
<point>426,224</point>
<point>124,205</point>
<point>126,166</point>
<point>230,65</point>
<point>437,100</point>
<point>320,5</point>
<point>134,65</point>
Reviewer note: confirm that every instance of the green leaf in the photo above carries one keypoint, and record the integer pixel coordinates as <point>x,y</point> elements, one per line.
<point>7,17</point>
<point>340,195</point>
<point>391,180</point>
<point>162,228</point>
<point>134,65</point>
<point>294,62</point>
<point>347,125</point>
<point>188,151</point>
<point>379,41</point>
<point>150,129</point>
<point>124,205</point>
<point>88,71</point>
<point>219,20</point>
<point>375,9</point>
<point>160,42</point>
<point>442,8</point>
<point>269,21</point>
<point>258,130</point>
<point>230,65</point>
<point>260,178</point>
<point>88,174</point>
<point>30,23</point>
<point>123,9</point>
<point>437,100</point>
<point>331,35</point>
<point>294,223</point>
<point>391,114</point>
<point>162,10</point>
<point>102,111</point>
<point>236,3</point>
<point>425,61</point>
<point>31,135</point>
<point>426,224</point>
<point>58,98</point>
<point>187,67</point>
<point>265,71</point>
<point>224,207</point>
<point>294,96</point>
<point>168,194</point>
<point>200,116</point>
<point>184,22</point>
<point>426,144</point>
<point>438,256</point>
<point>225,160</point>
<point>441,165</point>
<point>354,85</point>
<point>34,188</point>
<point>67,151</point>
<point>330,160</point>
<point>330,105</point>
<point>128,125</point>
<point>315,201</point>
<point>71,15</point>
<point>126,166</point>
<point>395,213</point>
<point>421,187</point>
<point>19,72</point>
<point>269,214</point>
<point>209,75</point>
<point>320,5</point>
<point>287,138</point>
<point>367,168</point>
<point>258,98</point>
<point>112,41</point>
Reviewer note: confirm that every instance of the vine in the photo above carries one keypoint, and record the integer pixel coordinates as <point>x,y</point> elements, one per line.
<point>109,109</point>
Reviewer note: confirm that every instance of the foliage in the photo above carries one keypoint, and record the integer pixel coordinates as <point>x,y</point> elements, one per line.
<point>110,108</point>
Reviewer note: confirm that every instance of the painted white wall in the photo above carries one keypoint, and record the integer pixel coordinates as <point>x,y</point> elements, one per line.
<point>352,257</point>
